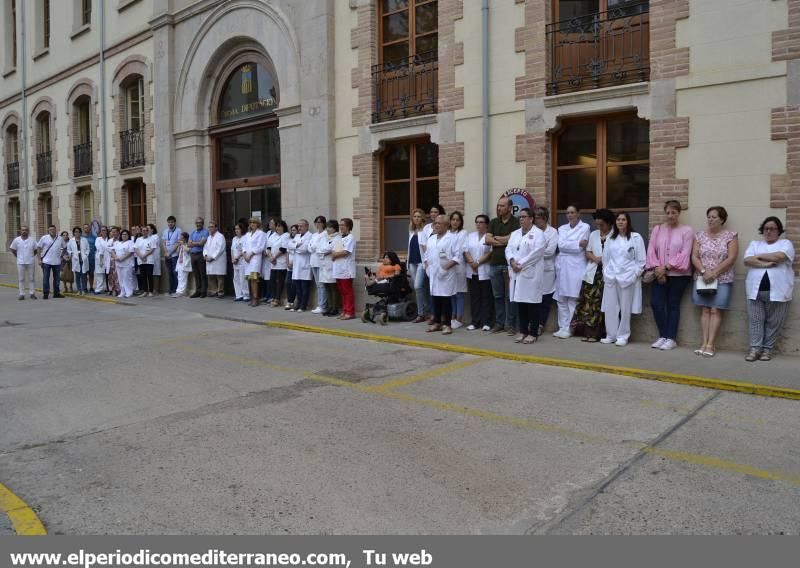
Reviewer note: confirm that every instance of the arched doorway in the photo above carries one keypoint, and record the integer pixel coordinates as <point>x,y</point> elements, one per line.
<point>246,170</point>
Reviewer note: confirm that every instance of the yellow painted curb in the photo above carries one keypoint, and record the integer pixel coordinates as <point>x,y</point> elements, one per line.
<point>69,295</point>
<point>22,517</point>
<point>703,382</point>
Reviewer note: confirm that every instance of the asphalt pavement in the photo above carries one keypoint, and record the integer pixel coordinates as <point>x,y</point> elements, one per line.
<point>164,417</point>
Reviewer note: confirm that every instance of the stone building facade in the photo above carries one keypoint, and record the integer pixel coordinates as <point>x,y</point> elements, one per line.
<point>371,108</point>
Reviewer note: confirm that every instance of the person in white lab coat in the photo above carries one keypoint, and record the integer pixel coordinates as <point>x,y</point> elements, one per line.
<point>183,265</point>
<point>145,253</point>
<point>78,251</point>
<point>570,268</point>
<point>589,320</point>
<point>525,255</point>
<point>253,253</point>
<point>50,247</point>
<point>123,254</point>
<point>216,261</point>
<point>458,300</point>
<point>317,240</point>
<point>769,286</point>
<point>238,263</point>
<point>476,261</point>
<point>266,265</point>
<point>301,266</point>
<point>112,277</point>
<point>344,268</point>
<point>155,241</point>
<point>442,257</point>
<point>624,257</point>
<point>23,248</point>
<point>332,241</point>
<point>541,218</point>
<point>279,258</point>
<point>100,253</point>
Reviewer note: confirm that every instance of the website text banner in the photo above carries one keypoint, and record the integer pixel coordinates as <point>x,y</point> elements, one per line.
<point>399,551</point>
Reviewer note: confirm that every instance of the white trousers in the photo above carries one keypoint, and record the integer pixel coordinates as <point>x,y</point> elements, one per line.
<point>240,288</point>
<point>183,281</point>
<point>566,309</point>
<point>25,275</point>
<point>127,281</point>
<point>619,302</point>
<point>99,282</point>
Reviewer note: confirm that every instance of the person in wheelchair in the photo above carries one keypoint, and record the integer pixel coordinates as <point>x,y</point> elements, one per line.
<point>391,285</point>
<point>379,283</point>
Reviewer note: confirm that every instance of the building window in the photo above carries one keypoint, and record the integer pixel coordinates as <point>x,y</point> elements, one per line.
<point>12,32</point>
<point>137,205</point>
<point>134,101</point>
<point>409,180</point>
<point>85,205</point>
<point>46,24</point>
<point>82,151</point>
<point>406,78</point>
<point>604,163</point>
<point>86,12</point>
<point>14,218</point>
<point>12,157</point>
<point>250,91</point>
<point>45,212</point>
<point>44,157</point>
<point>598,43</point>
<point>132,136</point>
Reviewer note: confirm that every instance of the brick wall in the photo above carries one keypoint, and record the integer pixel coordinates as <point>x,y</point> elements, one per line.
<point>451,156</point>
<point>364,38</point>
<point>666,135</point>
<point>786,43</point>
<point>365,206</point>
<point>666,59</point>
<point>531,40</point>
<point>536,150</point>
<point>451,54</point>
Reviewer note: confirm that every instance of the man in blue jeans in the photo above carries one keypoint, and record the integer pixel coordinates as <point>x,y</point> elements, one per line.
<point>51,248</point>
<point>498,234</point>
<point>169,240</point>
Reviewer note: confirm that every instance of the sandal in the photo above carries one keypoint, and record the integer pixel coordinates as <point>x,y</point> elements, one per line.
<point>591,340</point>
<point>708,351</point>
<point>766,355</point>
<point>753,355</point>
<point>700,350</point>
<point>519,338</point>
<point>433,328</point>
<point>529,339</point>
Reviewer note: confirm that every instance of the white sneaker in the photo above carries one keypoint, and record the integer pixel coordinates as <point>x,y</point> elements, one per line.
<point>621,342</point>
<point>659,343</point>
<point>486,328</point>
<point>668,345</point>
<point>455,324</point>
<point>608,340</point>
<point>317,310</point>
<point>290,309</point>
<point>471,327</point>
<point>563,334</point>
<point>298,310</point>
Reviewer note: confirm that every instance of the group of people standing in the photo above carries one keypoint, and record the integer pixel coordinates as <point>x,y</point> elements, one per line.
<point>513,267</point>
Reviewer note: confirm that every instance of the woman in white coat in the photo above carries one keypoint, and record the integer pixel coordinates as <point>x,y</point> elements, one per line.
<point>476,259</point>
<point>317,240</point>
<point>184,265</point>
<point>457,301</point>
<point>216,261</point>
<point>123,254</point>
<point>238,263</point>
<point>145,250</point>
<point>570,268</point>
<point>442,257</point>
<point>155,241</point>
<point>525,256</point>
<point>266,265</point>
<point>624,257</point>
<point>253,253</point>
<point>78,251</point>
<point>279,258</point>
<point>541,218</point>
<point>100,254</point>
<point>331,242</point>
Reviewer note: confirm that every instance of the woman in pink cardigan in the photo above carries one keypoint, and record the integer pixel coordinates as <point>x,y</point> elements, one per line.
<point>669,256</point>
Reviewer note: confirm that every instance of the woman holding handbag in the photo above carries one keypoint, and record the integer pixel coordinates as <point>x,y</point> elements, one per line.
<point>713,256</point>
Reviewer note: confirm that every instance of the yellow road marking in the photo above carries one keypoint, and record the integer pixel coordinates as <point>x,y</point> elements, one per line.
<point>711,462</point>
<point>430,374</point>
<point>22,517</point>
<point>68,295</point>
<point>662,376</point>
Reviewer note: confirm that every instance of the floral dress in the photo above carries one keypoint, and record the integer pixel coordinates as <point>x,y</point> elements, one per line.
<point>589,320</point>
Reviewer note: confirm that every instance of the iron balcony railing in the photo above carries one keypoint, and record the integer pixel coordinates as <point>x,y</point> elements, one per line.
<point>132,148</point>
<point>12,171</point>
<point>600,50</point>
<point>405,88</point>
<point>83,159</point>
<point>44,167</point>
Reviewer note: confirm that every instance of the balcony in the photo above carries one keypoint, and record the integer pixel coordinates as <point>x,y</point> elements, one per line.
<point>405,88</point>
<point>132,148</point>
<point>12,172</point>
<point>44,167</point>
<point>83,159</point>
<point>600,50</point>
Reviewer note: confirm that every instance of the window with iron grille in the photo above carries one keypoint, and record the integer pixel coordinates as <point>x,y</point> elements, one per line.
<point>86,12</point>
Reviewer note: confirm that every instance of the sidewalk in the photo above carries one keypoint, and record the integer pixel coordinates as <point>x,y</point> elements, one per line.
<point>636,359</point>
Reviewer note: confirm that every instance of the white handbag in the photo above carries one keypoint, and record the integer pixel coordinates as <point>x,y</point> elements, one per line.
<point>706,288</point>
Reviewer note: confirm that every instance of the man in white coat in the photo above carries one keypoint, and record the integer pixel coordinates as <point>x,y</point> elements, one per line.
<point>442,255</point>
<point>51,248</point>
<point>24,250</point>
<point>541,217</point>
<point>216,261</point>
<point>301,267</point>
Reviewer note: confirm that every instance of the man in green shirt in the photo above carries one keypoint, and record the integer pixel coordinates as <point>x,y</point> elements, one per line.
<point>499,230</point>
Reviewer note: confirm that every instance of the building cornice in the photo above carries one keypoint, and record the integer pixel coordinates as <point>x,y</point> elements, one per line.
<point>172,18</point>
